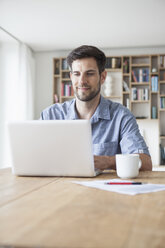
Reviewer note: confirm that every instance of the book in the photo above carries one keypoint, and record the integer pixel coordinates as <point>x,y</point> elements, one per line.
<point>154,83</point>
<point>64,64</point>
<point>154,112</point>
<point>127,103</point>
<point>141,75</point>
<point>67,89</point>
<point>145,75</point>
<point>162,102</point>
<point>134,76</point>
<point>146,94</point>
<point>62,89</point>
<point>134,93</point>
<point>108,63</point>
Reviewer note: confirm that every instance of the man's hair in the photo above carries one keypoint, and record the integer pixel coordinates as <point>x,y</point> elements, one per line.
<point>87,52</point>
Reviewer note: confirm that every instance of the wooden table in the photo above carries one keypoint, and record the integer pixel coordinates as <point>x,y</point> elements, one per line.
<point>54,212</point>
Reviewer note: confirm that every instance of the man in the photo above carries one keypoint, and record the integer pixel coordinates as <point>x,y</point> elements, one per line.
<point>114,128</point>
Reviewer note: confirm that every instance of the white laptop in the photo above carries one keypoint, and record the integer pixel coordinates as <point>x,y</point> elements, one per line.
<point>52,148</point>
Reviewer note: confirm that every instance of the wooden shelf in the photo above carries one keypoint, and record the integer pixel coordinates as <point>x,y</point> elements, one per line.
<point>68,97</point>
<point>113,97</point>
<point>143,118</point>
<point>65,70</point>
<point>66,79</point>
<point>126,74</point>
<point>126,92</point>
<point>138,101</point>
<point>140,83</point>
<point>162,136</point>
<point>113,70</point>
<point>154,73</point>
<point>162,82</point>
<point>140,65</point>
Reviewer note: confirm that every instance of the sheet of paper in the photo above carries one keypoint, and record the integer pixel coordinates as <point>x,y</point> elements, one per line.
<point>122,189</point>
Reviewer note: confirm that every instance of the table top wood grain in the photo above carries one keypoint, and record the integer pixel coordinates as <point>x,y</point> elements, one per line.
<point>54,212</point>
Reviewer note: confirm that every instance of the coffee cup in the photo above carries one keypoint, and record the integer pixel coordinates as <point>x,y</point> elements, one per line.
<point>128,165</point>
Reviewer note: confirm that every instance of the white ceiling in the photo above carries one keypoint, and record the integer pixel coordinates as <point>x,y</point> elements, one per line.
<point>47,25</point>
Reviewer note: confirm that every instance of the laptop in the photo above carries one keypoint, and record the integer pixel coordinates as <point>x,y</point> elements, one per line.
<point>52,148</point>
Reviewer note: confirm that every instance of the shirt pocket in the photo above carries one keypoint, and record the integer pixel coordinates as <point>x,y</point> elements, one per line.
<point>105,149</point>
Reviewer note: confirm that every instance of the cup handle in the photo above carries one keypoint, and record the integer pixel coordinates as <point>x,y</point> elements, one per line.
<point>140,163</point>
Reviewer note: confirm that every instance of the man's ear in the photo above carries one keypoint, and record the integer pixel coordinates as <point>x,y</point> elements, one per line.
<point>70,75</point>
<point>103,76</point>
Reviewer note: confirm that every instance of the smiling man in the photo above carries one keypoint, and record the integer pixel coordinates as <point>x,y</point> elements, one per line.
<point>114,128</point>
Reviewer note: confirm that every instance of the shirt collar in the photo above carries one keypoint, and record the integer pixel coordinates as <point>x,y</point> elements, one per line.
<point>72,113</point>
<point>102,111</point>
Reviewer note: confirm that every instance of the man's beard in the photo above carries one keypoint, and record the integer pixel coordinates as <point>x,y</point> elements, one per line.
<point>86,98</point>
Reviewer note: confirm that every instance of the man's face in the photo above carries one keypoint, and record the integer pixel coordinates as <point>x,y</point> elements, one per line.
<point>86,79</point>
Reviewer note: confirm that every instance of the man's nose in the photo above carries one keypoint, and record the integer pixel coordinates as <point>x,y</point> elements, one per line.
<point>82,78</point>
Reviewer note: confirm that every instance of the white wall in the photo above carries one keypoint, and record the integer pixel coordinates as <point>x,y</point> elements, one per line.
<point>44,79</point>
<point>44,89</point>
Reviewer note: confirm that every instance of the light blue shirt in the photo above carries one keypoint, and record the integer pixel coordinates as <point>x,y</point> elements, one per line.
<point>114,128</point>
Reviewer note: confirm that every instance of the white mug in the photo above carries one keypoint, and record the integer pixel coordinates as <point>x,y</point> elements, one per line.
<point>128,165</point>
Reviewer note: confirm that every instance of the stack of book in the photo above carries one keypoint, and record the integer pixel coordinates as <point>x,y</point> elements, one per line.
<point>108,63</point>
<point>154,83</point>
<point>162,102</point>
<point>140,75</point>
<point>154,112</point>
<point>66,89</point>
<point>140,94</point>
<point>64,65</point>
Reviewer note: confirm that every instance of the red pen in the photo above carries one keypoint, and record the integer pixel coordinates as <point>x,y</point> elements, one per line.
<point>123,183</point>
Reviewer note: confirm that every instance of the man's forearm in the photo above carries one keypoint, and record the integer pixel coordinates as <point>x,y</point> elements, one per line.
<point>109,162</point>
<point>105,162</point>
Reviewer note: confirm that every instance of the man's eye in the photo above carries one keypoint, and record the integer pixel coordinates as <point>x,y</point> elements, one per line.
<point>76,74</point>
<point>90,73</point>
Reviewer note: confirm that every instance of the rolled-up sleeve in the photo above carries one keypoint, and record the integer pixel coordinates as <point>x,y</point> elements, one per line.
<point>131,141</point>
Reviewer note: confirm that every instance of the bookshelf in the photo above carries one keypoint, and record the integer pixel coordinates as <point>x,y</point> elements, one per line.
<point>161,76</point>
<point>136,81</point>
<point>126,81</point>
<point>140,86</point>
<point>62,86</point>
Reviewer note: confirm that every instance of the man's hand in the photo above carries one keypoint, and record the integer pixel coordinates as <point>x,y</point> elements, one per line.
<point>146,162</point>
<point>105,162</point>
